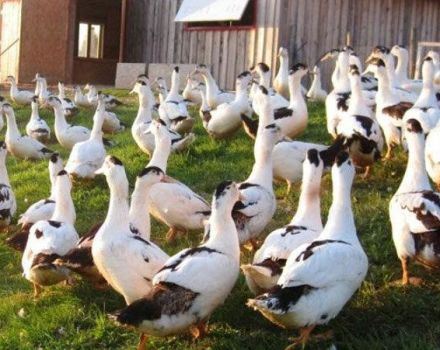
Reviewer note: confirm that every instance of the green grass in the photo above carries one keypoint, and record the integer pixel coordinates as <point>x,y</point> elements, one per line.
<point>380,316</point>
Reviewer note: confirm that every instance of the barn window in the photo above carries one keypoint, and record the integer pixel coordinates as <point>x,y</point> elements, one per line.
<point>217,14</point>
<point>90,40</point>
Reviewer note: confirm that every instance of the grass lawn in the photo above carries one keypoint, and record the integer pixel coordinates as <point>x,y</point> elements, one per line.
<point>380,316</point>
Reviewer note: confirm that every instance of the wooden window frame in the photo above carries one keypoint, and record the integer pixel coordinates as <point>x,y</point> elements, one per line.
<point>89,31</point>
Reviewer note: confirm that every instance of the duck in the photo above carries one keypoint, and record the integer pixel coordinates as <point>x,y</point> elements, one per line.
<point>305,226</point>
<point>432,155</point>
<point>258,204</point>
<point>191,93</point>
<point>43,92</point>
<point>69,106</point>
<point>316,92</point>
<point>389,108</point>
<point>436,60</point>
<point>49,239</point>
<point>37,127</point>
<point>23,147</point>
<point>321,276</point>
<point>214,95</point>
<point>415,210</point>
<point>88,156</point>
<point>226,118</point>
<point>8,204</point>
<point>92,96</point>
<point>112,124</point>
<point>21,97</point>
<point>141,124</point>
<point>426,109</point>
<point>40,210</point>
<point>281,81</point>
<point>171,201</point>
<point>127,261</point>
<point>67,135</point>
<point>172,109</point>
<point>401,71</point>
<point>193,283</point>
<point>81,99</point>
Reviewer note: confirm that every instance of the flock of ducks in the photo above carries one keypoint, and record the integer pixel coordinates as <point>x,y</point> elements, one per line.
<point>301,274</point>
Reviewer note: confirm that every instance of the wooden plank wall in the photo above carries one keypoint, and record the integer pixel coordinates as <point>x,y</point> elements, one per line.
<point>154,37</point>
<point>307,27</point>
<point>10,32</point>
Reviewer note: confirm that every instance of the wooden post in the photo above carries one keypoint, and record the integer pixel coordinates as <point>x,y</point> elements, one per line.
<point>122,34</point>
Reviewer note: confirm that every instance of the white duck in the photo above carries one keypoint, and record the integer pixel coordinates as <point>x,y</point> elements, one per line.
<point>172,109</point>
<point>88,156</point>
<point>214,95</point>
<point>23,147</point>
<point>127,261</point>
<point>8,205</point>
<point>172,202</point>
<point>191,93</point>
<point>141,124</point>
<point>69,106</point>
<point>316,92</point>
<point>66,134</point>
<point>226,118</point>
<point>401,71</point>
<point>21,97</point>
<point>415,209</point>
<point>305,226</point>
<point>40,210</point>
<point>81,99</point>
<point>43,92</point>
<point>50,239</point>
<point>320,277</point>
<point>37,127</point>
<point>192,283</point>
<point>92,96</point>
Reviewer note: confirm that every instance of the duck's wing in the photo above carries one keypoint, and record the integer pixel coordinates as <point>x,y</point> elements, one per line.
<point>41,210</point>
<point>90,151</point>
<point>30,145</point>
<point>181,190</point>
<point>175,109</point>
<point>359,125</point>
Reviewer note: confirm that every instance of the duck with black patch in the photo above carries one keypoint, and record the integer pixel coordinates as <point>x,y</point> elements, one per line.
<point>127,261</point>
<point>192,283</point>
<point>69,106</point>
<point>415,210</point>
<point>8,205</point>
<point>305,226</point>
<point>21,97</point>
<point>171,201</point>
<point>50,239</point>
<point>23,147</point>
<point>41,210</point>
<point>92,96</point>
<point>320,277</point>
<point>37,127</point>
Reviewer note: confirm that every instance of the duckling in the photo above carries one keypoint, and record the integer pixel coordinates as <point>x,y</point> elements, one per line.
<point>172,202</point>
<point>81,99</point>
<point>41,210</point>
<point>415,209</point>
<point>192,283</point>
<point>320,277</point>
<point>305,226</point>
<point>50,239</point>
<point>69,106</point>
<point>172,109</point>
<point>21,97</point>
<point>127,261</point>
<point>37,127</point>
<point>214,95</point>
<point>8,205</point>
<point>144,139</point>
<point>23,147</point>
<point>66,134</point>
<point>88,156</point>
<point>316,92</point>
<point>191,93</point>
<point>225,119</point>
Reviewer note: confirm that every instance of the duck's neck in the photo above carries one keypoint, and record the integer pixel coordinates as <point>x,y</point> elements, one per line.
<point>96,132</point>
<point>262,172</point>
<point>61,93</point>
<point>296,97</point>
<point>161,153</point>
<point>37,88</point>
<point>12,131</point>
<point>308,213</point>
<point>402,67</point>
<point>391,70</point>
<point>316,83</point>
<point>118,209</point>
<point>241,92</point>
<point>4,178</point>
<point>34,114</point>
<point>265,79</point>
<point>64,207</point>
<point>60,120</point>
<point>139,214</point>
<point>384,89</point>
<point>211,86</point>
<point>204,105</point>
<point>415,178</point>
<point>174,90</point>
<point>43,87</point>
<point>283,72</point>
<point>14,89</point>
<point>427,96</point>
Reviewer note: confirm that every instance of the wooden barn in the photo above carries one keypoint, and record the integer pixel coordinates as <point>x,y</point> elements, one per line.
<point>83,40</point>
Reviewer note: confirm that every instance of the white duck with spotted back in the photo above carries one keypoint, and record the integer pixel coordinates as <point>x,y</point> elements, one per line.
<point>173,109</point>
<point>8,205</point>
<point>192,283</point>
<point>127,261</point>
<point>171,201</point>
<point>69,106</point>
<point>23,147</point>
<point>415,209</point>
<point>66,134</point>
<point>87,156</point>
<point>316,92</point>
<point>305,226</point>
<point>21,97</point>
<point>50,239</point>
<point>141,124</point>
<point>37,127</point>
<point>320,277</point>
<point>214,95</point>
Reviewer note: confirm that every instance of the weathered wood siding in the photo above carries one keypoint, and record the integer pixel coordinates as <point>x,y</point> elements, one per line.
<point>307,27</point>
<point>10,37</point>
